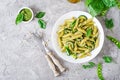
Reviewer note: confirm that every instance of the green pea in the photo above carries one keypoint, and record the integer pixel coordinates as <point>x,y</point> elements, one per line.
<point>115,41</point>
<point>99,72</point>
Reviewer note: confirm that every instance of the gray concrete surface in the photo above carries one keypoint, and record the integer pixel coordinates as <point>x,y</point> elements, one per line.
<point>22,56</point>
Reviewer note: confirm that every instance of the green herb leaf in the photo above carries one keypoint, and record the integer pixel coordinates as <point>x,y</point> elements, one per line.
<point>114,40</point>
<point>68,50</point>
<point>104,12</point>
<point>95,7</point>
<point>73,24</point>
<point>118,3</point>
<point>90,65</point>
<point>19,18</point>
<point>99,72</point>
<point>89,31</point>
<point>87,2</point>
<point>107,59</point>
<point>109,23</point>
<point>42,23</point>
<point>109,3</point>
<point>40,15</point>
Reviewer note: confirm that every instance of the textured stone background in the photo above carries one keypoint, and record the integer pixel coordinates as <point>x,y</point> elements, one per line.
<point>22,57</point>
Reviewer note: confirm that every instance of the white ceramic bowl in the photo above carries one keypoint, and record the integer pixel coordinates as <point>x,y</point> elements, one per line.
<point>31,12</point>
<point>56,47</point>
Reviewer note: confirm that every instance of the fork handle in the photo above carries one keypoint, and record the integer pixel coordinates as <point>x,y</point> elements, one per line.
<point>52,66</point>
<point>56,62</point>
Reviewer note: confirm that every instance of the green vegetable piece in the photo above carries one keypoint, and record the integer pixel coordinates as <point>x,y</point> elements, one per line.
<point>90,65</point>
<point>73,24</point>
<point>118,3</point>
<point>68,50</point>
<point>99,72</point>
<point>69,53</point>
<point>89,31</point>
<point>92,11</point>
<point>99,7</point>
<point>84,66</point>
<point>115,41</point>
<point>109,3</point>
<point>87,2</point>
<point>40,15</point>
<point>19,18</point>
<point>104,12</point>
<point>109,23</point>
<point>107,59</point>
<point>42,23</point>
<point>95,7</point>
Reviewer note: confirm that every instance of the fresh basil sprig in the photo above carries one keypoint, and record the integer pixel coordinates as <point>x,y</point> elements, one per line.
<point>19,18</point>
<point>96,7</point>
<point>109,23</point>
<point>40,14</point>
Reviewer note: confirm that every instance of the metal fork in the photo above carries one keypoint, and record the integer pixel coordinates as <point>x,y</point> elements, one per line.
<point>52,61</point>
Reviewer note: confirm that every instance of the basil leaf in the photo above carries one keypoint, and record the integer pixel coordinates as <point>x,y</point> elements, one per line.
<point>104,12</point>
<point>68,50</point>
<point>87,2</point>
<point>40,15</point>
<point>109,3</point>
<point>107,59</point>
<point>109,23</point>
<point>73,24</point>
<point>90,65</point>
<point>89,31</point>
<point>118,3</point>
<point>96,7</point>
<point>19,18</point>
<point>99,7</point>
<point>42,23</point>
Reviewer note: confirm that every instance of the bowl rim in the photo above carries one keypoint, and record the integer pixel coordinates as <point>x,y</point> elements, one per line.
<point>31,12</point>
<point>60,53</point>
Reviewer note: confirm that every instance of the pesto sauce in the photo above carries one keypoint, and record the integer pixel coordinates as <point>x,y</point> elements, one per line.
<point>27,14</point>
